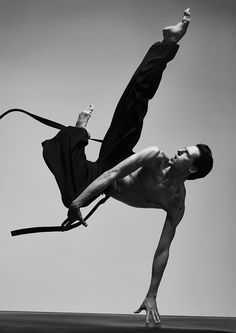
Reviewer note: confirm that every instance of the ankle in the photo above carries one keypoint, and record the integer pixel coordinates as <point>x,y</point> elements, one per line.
<point>169,40</point>
<point>83,128</point>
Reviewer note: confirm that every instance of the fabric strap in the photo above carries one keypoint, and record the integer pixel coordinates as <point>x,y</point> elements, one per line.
<point>45,121</point>
<point>60,228</point>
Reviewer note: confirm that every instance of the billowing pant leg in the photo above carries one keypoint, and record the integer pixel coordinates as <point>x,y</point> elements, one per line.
<point>65,156</point>
<point>127,122</point>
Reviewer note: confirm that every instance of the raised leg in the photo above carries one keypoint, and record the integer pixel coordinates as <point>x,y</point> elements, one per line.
<point>127,122</point>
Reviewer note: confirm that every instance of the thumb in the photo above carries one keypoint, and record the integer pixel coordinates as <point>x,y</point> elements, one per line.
<point>139,310</point>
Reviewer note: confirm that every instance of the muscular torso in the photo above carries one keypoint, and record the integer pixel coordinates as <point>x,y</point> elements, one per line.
<point>145,188</point>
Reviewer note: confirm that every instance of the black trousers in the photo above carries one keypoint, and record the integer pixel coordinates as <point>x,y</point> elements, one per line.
<point>65,153</point>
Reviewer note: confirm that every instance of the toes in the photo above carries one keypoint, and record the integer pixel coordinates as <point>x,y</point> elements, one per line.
<point>186,17</point>
<point>87,112</point>
<point>187,12</point>
<point>91,107</point>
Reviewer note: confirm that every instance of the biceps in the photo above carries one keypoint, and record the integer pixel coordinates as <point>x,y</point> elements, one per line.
<point>134,162</point>
<point>167,236</point>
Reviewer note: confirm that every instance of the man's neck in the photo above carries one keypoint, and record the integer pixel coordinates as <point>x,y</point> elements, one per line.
<point>173,180</point>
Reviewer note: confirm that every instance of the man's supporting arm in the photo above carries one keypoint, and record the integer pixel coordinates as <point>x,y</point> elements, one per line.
<point>162,253</point>
<point>160,261</point>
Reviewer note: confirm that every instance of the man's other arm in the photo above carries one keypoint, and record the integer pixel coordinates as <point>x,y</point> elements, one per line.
<point>147,157</point>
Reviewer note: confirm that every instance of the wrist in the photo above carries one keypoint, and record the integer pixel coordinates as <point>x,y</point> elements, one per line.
<point>76,203</point>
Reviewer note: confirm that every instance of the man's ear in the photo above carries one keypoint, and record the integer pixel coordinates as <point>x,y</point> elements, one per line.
<point>193,169</point>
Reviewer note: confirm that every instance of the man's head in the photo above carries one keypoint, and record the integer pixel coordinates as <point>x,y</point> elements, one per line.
<point>192,162</point>
<point>203,163</point>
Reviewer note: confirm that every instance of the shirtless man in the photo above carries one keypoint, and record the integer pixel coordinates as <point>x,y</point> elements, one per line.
<point>148,179</point>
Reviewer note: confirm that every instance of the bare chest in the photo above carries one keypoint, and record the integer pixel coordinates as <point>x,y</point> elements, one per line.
<point>143,190</point>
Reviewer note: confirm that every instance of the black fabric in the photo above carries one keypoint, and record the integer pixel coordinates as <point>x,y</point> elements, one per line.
<point>65,156</point>
<point>127,122</point>
<point>63,227</point>
<point>65,153</point>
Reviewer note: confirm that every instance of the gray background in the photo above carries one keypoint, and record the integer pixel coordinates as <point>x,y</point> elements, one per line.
<point>57,57</point>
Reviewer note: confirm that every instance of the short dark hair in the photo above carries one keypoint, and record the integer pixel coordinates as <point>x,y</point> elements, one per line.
<point>203,163</point>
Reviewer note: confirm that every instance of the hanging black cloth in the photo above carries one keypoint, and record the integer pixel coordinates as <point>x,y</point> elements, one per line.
<point>62,227</point>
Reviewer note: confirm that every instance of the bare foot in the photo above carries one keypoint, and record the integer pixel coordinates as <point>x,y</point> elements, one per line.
<point>176,32</point>
<point>84,117</point>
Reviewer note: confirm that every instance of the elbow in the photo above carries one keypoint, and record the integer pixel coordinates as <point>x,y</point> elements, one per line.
<point>156,153</point>
<point>153,153</point>
<point>161,258</point>
<point>163,253</point>
<point>154,150</point>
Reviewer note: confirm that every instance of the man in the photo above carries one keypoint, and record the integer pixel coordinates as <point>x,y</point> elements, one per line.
<point>148,179</point>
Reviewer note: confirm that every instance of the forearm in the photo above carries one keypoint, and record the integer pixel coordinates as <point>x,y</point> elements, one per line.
<point>159,264</point>
<point>162,252</point>
<point>95,188</point>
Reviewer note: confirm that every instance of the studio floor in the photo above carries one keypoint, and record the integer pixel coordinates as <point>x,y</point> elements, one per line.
<point>59,322</point>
